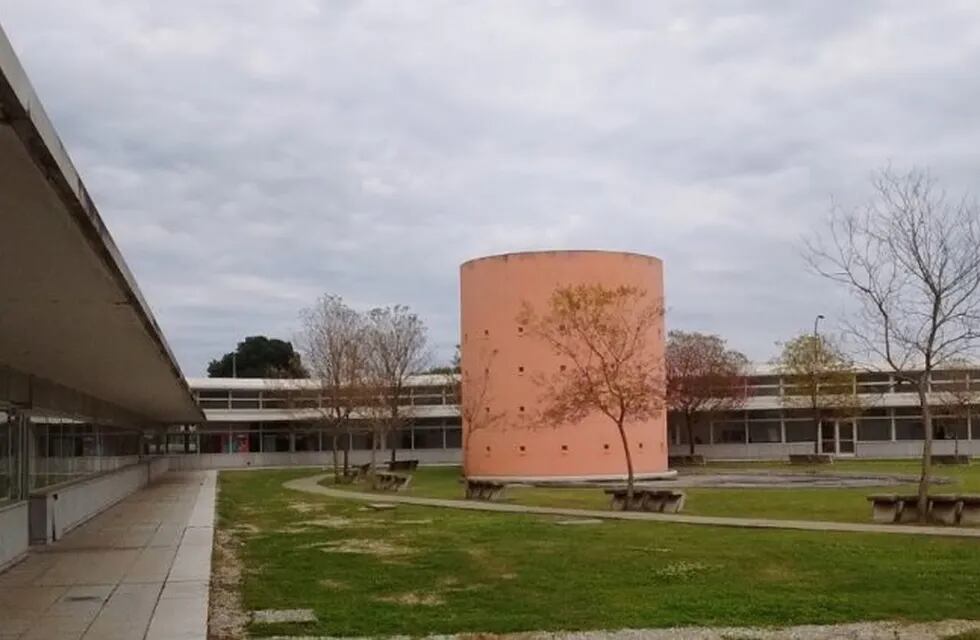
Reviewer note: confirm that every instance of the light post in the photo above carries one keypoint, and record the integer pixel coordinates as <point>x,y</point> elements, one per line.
<point>814,384</point>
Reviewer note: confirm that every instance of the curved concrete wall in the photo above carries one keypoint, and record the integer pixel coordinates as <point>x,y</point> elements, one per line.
<point>503,367</point>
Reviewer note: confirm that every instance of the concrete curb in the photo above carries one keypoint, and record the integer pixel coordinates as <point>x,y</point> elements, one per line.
<point>311,485</point>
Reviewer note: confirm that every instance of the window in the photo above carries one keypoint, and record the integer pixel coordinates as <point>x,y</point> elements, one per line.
<point>729,432</point>
<point>874,429</point>
<point>908,428</point>
<point>428,438</point>
<point>800,431</point>
<point>949,427</point>
<point>454,438</point>
<point>765,431</point>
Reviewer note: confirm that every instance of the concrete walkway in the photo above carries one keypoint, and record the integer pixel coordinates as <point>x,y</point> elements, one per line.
<point>140,570</point>
<point>311,485</point>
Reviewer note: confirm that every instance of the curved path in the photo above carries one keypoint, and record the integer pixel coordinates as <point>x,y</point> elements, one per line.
<point>311,485</point>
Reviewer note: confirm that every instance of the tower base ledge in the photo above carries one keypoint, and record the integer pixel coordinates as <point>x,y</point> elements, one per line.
<point>670,474</point>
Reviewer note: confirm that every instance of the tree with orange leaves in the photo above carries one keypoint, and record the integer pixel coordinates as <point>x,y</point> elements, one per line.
<point>610,340</point>
<point>704,377</point>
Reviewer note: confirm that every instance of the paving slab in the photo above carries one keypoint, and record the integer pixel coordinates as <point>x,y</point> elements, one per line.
<point>140,569</point>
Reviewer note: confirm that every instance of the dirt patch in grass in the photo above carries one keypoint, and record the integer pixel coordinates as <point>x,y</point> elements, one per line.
<point>330,522</point>
<point>227,617</point>
<point>245,528</point>
<point>364,546</point>
<point>305,507</point>
<point>415,599</point>
<point>337,585</point>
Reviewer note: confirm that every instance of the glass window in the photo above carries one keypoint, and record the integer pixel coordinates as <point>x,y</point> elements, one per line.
<point>7,460</point>
<point>454,438</point>
<point>800,431</point>
<point>702,433</point>
<point>428,438</point>
<point>908,429</point>
<point>729,432</point>
<point>765,431</point>
<point>874,429</point>
<point>949,428</point>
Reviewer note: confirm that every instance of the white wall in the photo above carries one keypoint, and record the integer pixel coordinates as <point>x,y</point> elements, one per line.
<point>57,510</point>
<point>304,458</point>
<point>13,533</point>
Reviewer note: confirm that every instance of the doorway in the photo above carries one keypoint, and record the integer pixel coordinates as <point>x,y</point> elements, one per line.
<point>837,437</point>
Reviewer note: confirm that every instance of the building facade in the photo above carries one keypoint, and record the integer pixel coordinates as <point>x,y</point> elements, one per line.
<point>280,422</point>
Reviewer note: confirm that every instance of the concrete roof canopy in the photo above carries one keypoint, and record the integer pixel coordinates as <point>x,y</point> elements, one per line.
<point>71,313</point>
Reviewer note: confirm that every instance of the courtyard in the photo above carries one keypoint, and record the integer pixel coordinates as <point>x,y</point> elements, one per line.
<point>369,569</point>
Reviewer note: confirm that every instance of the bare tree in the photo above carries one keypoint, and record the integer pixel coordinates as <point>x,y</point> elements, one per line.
<point>818,376</point>
<point>610,339</point>
<point>472,389</point>
<point>397,348</point>
<point>910,258</point>
<point>704,377</point>
<point>333,345</point>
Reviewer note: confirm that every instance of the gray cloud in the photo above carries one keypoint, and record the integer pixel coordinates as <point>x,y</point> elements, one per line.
<point>249,156</point>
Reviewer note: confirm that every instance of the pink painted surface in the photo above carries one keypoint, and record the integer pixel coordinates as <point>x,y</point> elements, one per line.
<point>503,365</point>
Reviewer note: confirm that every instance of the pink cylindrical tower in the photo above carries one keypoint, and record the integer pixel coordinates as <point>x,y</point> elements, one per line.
<point>503,366</point>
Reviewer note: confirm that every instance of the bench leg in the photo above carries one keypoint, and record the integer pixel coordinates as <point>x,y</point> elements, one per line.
<point>884,512</point>
<point>673,505</point>
<point>970,515</point>
<point>654,504</point>
<point>908,512</point>
<point>618,503</point>
<point>944,513</point>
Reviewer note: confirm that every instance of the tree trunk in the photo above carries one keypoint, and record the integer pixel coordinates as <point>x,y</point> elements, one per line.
<point>374,453</point>
<point>393,442</point>
<point>816,421</point>
<point>336,460</point>
<point>629,468</point>
<point>688,423</point>
<point>347,436</point>
<point>923,502</point>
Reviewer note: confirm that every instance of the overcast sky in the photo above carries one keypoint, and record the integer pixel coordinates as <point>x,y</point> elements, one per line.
<point>248,156</point>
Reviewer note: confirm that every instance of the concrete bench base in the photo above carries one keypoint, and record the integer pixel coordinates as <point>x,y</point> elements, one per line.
<point>811,458</point>
<point>942,509</point>
<point>943,458</point>
<point>391,481</point>
<point>652,500</point>
<point>482,490</point>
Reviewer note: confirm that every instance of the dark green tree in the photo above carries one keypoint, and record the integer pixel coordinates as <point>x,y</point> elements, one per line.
<point>259,357</point>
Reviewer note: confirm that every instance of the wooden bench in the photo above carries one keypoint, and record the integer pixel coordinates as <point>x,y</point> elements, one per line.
<point>388,481</point>
<point>644,499</point>
<point>403,465</point>
<point>484,490</point>
<point>686,460</point>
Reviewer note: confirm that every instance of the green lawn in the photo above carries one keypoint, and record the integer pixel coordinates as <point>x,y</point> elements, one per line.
<point>418,570</point>
<point>841,505</point>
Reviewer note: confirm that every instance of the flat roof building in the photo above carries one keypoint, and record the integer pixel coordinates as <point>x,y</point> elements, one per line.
<point>84,367</point>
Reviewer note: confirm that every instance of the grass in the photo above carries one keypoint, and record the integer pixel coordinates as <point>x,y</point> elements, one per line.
<point>837,505</point>
<point>425,570</point>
